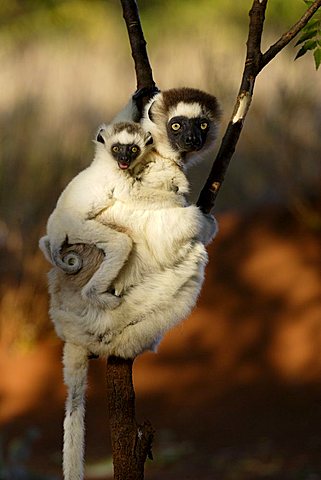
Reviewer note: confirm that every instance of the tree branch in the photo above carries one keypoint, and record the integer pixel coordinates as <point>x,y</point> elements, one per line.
<point>144,74</point>
<point>286,38</point>
<point>251,69</point>
<point>254,63</point>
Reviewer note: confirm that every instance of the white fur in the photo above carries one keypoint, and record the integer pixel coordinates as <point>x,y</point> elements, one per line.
<point>148,310</point>
<point>157,127</point>
<point>189,110</point>
<point>157,219</point>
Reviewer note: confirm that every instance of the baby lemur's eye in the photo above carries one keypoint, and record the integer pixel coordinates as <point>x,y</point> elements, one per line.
<point>204,125</point>
<point>115,149</point>
<point>134,149</point>
<point>176,126</point>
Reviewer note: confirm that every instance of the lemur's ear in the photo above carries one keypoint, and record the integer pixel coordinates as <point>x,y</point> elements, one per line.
<point>44,244</point>
<point>150,113</point>
<point>99,137</point>
<point>149,139</point>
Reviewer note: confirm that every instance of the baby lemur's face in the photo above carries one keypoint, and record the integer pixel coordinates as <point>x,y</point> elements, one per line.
<point>125,154</point>
<point>126,142</point>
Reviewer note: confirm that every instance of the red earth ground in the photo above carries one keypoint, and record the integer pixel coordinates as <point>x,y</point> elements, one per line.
<point>234,392</point>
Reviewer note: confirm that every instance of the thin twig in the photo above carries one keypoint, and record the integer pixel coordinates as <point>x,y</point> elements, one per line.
<point>254,63</point>
<point>286,38</point>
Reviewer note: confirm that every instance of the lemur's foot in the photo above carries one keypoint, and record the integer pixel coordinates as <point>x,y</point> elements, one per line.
<point>141,97</point>
<point>103,300</point>
<point>148,92</point>
<point>92,356</point>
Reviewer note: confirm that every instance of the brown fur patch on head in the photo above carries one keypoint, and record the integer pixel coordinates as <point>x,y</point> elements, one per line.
<point>191,95</point>
<point>130,127</point>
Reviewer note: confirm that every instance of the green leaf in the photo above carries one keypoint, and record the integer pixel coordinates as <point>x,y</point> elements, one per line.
<point>311,24</point>
<point>311,44</point>
<point>317,57</point>
<point>306,36</point>
<point>308,2</point>
<point>301,52</point>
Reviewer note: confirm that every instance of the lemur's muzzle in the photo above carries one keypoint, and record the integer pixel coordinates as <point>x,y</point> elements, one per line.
<point>124,157</point>
<point>192,140</point>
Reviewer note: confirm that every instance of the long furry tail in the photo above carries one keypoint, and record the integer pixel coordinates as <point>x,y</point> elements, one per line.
<point>75,361</point>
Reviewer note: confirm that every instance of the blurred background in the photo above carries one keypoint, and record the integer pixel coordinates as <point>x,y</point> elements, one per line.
<point>235,391</point>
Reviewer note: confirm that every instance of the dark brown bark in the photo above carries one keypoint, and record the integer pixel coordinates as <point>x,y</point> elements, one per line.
<point>144,74</point>
<point>131,443</point>
<point>254,63</point>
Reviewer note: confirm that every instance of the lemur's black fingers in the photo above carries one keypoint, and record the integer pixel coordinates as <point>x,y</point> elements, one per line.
<point>144,92</point>
<point>92,356</point>
<point>141,97</point>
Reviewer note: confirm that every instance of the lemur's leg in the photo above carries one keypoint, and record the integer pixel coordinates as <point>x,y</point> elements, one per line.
<point>156,305</point>
<point>116,247</point>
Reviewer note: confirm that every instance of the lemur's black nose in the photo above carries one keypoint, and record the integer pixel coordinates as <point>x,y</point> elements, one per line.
<point>193,140</point>
<point>197,141</point>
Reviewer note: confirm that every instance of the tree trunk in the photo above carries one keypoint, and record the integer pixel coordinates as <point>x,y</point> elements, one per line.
<point>131,443</point>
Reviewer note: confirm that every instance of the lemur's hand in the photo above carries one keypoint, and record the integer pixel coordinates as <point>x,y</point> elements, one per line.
<point>141,97</point>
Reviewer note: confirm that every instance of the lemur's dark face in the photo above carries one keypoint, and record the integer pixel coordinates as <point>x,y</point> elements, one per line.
<point>187,134</point>
<point>125,154</point>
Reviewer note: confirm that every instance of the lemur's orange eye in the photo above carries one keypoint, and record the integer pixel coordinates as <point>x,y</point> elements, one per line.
<point>134,149</point>
<point>204,125</point>
<point>176,126</point>
<point>115,149</point>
